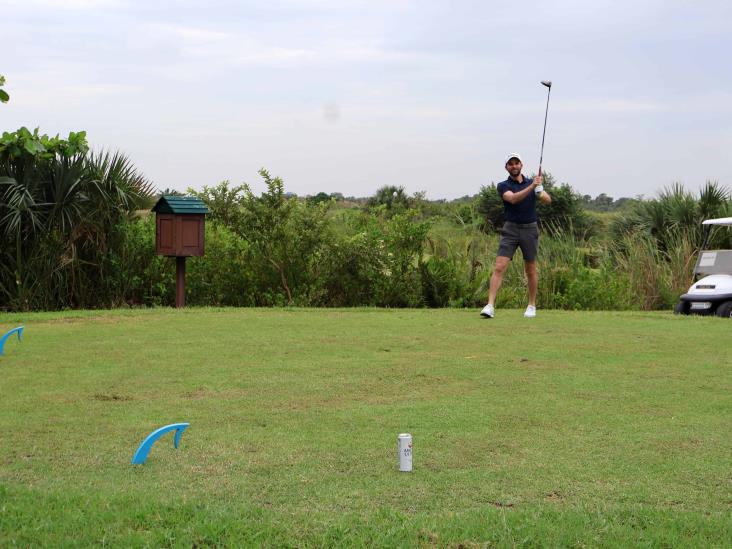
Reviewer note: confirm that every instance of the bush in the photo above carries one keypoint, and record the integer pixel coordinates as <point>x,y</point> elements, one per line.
<point>224,276</point>
<point>62,211</point>
<point>442,284</point>
<point>564,213</point>
<point>283,236</point>
<point>348,270</point>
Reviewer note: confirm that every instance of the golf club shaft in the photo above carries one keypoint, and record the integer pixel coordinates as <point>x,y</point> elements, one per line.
<point>541,157</point>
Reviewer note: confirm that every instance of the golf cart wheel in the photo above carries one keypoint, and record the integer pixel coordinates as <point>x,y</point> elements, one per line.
<point>681,308</point>
<point>725,309</point>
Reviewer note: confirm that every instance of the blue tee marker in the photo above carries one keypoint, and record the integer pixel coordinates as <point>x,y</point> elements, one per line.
<point>18,330</point>
<point>147,444</point>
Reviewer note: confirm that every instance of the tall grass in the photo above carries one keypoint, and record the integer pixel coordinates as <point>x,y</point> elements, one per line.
<point>656,277</point>
<point>632,273</point>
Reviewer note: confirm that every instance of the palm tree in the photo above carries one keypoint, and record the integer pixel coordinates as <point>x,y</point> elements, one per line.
<point>675,212</point>
<point>21,219</point>
<point>391,197</point>
<point>59,214</point>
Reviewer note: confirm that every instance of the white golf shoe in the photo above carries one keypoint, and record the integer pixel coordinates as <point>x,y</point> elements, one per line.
<point>530,311</point>
<point>488,312</point>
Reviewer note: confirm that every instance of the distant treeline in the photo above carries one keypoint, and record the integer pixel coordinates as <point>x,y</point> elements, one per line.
<point>600,203</point>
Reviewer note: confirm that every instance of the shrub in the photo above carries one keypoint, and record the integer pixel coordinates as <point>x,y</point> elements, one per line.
<point>62,210</point>
<point>283,236</point>
<point>565,212</point>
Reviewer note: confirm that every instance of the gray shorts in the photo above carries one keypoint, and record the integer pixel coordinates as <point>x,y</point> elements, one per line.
<point>519,235</point>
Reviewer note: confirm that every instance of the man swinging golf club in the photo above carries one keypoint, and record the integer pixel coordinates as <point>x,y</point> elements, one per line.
<point>520,230</point>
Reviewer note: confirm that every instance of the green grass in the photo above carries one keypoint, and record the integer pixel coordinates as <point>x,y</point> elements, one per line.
<point>572,429</point>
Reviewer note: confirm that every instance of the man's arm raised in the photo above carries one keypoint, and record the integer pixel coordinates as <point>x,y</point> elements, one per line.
<point>514,198</point>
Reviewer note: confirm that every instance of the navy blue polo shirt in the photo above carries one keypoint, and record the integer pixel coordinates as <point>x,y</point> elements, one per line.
<point>524,211</point>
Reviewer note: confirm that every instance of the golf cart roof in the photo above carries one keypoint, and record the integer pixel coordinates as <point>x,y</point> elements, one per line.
<point>720,221</point>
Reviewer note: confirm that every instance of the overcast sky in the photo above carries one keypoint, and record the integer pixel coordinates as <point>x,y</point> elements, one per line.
<point>347,96</point>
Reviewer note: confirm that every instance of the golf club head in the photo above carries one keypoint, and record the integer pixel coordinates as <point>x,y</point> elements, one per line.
<point>547,83</point>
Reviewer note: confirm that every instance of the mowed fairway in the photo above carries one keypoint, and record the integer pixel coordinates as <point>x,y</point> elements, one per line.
<point>571,429</point>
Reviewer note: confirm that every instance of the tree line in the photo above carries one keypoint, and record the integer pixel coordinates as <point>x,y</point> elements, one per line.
<point>77,233</point>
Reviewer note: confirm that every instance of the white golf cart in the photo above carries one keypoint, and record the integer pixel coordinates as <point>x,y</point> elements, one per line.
<point>711,294</point>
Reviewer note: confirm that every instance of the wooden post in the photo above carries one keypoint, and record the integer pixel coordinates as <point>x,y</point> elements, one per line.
<point>180,281</point>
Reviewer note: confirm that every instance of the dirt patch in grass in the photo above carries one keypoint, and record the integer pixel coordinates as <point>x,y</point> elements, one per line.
<point>111,397</point>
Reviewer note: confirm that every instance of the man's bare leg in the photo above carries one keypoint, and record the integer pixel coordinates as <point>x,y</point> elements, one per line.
<point>532,278</point>
<point>497,278</point>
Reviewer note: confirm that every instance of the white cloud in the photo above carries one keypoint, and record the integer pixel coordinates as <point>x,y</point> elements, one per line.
<point>226,48</point>
<point>195,35</point>
<point>93,90</point>
<point>246,48</point>
<point>72,5</point>
<point>616,106</point>
<point>364,52</point>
